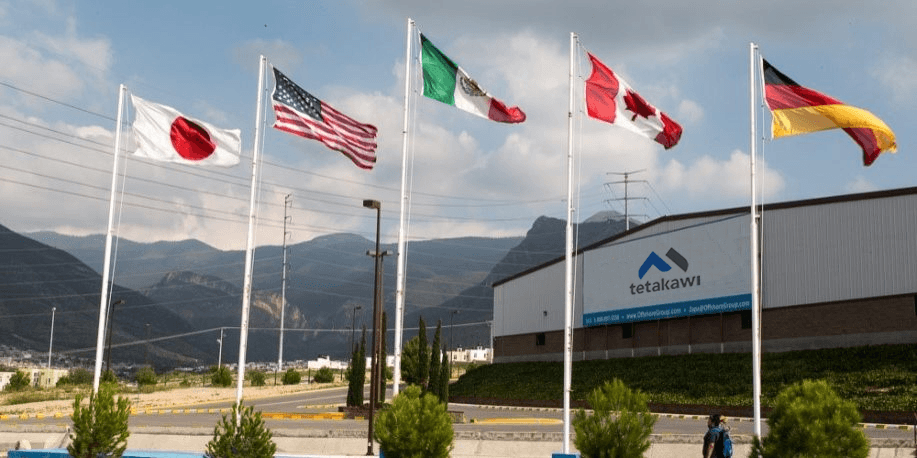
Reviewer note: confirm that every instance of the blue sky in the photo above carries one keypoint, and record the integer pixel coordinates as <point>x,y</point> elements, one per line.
<point>470,176</point>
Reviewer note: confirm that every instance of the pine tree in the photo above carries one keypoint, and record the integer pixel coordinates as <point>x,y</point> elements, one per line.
<point>423,358</point>
<point>433,384</point>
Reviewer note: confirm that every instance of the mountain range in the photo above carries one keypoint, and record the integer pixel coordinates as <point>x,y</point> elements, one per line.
<point>178,295</point>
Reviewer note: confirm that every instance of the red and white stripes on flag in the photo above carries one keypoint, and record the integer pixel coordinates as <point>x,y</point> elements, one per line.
<point>300,113</point>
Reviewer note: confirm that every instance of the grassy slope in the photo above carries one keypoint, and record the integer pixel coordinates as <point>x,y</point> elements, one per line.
<point>881,378</point>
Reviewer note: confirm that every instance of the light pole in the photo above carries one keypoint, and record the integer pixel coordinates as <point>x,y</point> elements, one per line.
<point>377,323</point>
<point>111,313</point>
<point>353,322</point>
<point>452,329</point>
<point>146,349</point>
<point>220,358</point>
<point>51,342</point>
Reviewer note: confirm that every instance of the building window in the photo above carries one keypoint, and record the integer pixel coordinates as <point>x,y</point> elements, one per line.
<point>746,319</point>
<point>627,331</point>
<point>539,339</point>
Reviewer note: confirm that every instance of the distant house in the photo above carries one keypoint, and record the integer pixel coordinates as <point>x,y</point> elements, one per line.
<point>470,355</point>
<point>40,378</point>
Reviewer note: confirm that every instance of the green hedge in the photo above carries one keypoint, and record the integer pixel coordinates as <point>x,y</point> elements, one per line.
<point>882,378</point>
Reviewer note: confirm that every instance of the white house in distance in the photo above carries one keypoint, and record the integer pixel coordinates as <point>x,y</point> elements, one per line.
<point>471,355</point>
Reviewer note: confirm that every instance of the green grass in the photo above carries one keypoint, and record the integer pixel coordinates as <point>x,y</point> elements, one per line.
<point>882,378</point>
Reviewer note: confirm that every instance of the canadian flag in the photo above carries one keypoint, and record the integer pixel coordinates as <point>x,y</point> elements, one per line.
<point>610,99</point>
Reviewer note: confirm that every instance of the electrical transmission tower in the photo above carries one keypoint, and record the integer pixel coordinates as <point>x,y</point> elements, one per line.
<point>626,197</point>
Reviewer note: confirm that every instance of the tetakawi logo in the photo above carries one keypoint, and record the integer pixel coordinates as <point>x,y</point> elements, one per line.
<point>653,260</point>
<point>663,284</point>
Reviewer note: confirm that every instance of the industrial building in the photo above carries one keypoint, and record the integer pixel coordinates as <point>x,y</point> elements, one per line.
<point>835,272</point>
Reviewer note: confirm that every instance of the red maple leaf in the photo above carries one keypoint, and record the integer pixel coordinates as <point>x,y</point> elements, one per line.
<point>638,106</point>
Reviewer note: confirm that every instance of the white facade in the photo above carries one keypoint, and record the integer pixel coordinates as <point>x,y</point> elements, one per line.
<point>818,251</point>
<point>471,355</point>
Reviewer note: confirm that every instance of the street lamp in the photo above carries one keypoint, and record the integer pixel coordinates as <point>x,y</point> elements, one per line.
<point>110,314</point>
<point>377,323</point>
<point>51,342</point>
<point>220,358</point>
<point>353,322</point>
<point>452,329</point>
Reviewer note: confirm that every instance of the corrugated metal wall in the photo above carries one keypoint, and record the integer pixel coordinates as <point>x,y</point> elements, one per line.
<point>520,305</point>
<point>840,251</point>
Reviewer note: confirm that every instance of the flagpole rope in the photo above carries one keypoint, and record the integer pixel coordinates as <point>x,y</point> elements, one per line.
<point>117,227</point>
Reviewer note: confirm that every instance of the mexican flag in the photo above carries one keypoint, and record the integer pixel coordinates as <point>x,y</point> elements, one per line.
<point>445,81</point>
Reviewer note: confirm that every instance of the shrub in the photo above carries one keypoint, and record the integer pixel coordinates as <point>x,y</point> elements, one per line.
<point>99,428</point>
<point>620,425</point>
<point>185,383</point>
<point>19,381</point>
<point>291,377</point>
<point>249,439</point>
<point>256,377</point>
<point>415,426</point>
<point>80,376</point>
<point>222,376</point>
<point>324,375</point>
<point>109,377</point>
<point>811,420</point>
<point>146,376</point>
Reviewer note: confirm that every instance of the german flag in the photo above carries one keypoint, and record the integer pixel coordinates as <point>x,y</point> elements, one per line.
<point>799,110</point>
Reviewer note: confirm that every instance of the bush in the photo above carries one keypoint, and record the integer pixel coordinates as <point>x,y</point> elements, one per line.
<point>811,420</point>
<point>291,377</point>
<point>99,428</point>
<point>185,382</point>
<point>415,426</point>
<point>146,376</point>
<point>620,425</point>
<point>222,376</point>
<point>108,377</point>
<point>80,376</point>
<point>250,439</point>
<point>324,375</point>
<point>256,377</point>
<point>19,381</point>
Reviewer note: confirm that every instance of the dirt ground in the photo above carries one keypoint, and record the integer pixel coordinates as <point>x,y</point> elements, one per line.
<point>170,399</point>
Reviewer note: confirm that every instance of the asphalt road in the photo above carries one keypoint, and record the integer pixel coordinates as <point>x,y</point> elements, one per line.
<point>316,410</point>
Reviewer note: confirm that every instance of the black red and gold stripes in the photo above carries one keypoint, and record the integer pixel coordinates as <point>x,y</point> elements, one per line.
<point>799,110</point>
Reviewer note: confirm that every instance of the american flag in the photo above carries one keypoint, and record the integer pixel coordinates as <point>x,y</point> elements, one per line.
<point>300,113</point>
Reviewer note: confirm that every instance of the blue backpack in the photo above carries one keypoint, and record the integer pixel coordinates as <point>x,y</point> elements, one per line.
<point>723,443</point>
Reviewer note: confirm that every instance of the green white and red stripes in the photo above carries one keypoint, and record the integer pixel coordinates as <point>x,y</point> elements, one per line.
<point>445,81</point>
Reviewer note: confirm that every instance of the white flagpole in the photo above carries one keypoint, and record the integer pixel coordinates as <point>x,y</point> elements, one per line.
<point>399,281</point>
<point>753,236</point>
<point>106,269</point>
<point>568,290</point>
<point>247,286</point>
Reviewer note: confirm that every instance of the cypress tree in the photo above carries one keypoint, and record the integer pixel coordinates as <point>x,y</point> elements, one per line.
<point>435,353</point>
<point>382,357</point>
<point>444,379</point>
<point>423,358</point>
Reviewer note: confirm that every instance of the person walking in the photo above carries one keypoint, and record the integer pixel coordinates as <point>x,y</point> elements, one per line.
<point>713,440</point>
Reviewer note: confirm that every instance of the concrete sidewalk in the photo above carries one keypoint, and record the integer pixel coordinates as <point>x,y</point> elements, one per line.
<point>344,443</point>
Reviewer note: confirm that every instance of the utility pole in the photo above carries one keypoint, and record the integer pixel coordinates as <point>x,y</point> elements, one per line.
<point>626,197</point>
<point>287,203</point>
<point>146,356</point>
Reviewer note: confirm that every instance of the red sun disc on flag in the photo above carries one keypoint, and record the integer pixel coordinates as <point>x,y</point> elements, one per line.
<point>190,140</point>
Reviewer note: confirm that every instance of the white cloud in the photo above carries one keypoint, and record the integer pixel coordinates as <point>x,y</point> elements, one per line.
<point>897,72</point>
<point>718,182</point>
<point>860,184</point>
<point>689,112</point>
